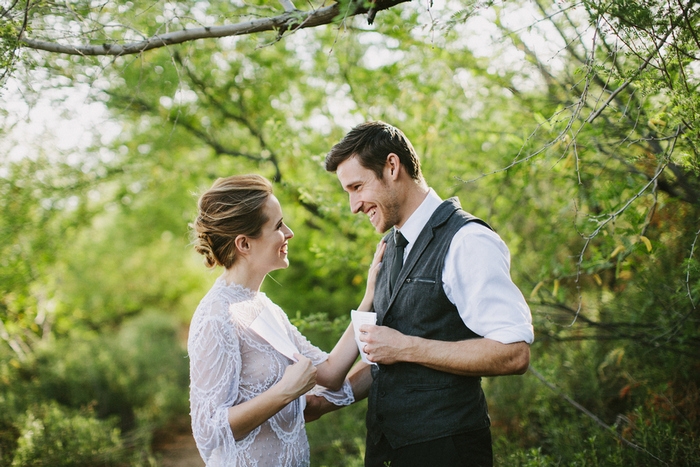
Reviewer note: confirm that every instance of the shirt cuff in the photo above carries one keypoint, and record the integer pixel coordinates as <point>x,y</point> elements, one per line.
<point>524,333</point>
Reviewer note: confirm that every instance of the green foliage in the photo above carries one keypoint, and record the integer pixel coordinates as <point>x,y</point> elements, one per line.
<point>58,437</point>
<point>96,401</point>
<point>579,443</point>
<point>43,204</point>
<point>137,374</point>
<point>9,411</point>
<point>585,161</point>
<point>10,27</point>
<point>339,437</point>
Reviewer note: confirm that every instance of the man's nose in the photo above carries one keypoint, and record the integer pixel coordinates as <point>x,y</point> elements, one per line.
<point>355,204</point>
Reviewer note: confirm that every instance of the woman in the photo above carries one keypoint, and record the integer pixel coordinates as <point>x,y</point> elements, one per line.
<point>249,366</point>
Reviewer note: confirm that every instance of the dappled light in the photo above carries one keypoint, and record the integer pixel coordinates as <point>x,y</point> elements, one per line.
<point>570,127</point>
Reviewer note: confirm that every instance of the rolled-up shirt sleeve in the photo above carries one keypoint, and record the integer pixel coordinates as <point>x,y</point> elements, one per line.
<point>476,278</point>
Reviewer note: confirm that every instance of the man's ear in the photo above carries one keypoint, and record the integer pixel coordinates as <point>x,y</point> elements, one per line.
<point>393,166</point>
<point>242,244</point>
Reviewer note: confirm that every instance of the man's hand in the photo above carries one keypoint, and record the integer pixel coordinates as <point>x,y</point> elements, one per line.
<point>383,344</point>
<point>316,407</point>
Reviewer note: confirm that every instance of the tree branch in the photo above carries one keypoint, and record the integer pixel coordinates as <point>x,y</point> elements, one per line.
<point>289,20</point>
<point>254,131</point>
<point>687,275</point>
<point>635,74</point>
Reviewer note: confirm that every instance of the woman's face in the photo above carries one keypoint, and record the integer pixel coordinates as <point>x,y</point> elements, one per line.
<point>269,250</point>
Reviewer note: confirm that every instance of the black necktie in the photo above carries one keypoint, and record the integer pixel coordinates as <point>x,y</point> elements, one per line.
<point>401,243</point>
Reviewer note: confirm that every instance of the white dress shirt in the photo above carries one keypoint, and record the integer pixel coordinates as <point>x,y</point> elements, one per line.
<point>476,278</point>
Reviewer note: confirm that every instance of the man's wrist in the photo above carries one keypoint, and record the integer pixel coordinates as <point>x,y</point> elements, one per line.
<point>411,349</point>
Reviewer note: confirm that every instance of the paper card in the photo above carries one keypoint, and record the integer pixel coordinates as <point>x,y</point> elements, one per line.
<point>270,329</point>
<point>358,319</point>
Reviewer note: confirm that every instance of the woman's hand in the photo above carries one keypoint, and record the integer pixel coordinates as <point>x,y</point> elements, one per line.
<point>298,378</point>
<point>374,268</point>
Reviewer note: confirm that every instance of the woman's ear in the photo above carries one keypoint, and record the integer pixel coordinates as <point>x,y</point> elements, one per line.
<point>242,244</point>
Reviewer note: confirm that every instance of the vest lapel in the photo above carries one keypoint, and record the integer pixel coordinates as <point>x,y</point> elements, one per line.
<point>439,217</point>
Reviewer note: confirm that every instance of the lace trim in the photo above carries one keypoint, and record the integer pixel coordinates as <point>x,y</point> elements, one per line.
<point>341,397</point>
<point>236,290</point>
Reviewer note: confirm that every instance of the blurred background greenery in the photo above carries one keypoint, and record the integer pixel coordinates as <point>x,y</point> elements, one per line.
<point>571,127</point>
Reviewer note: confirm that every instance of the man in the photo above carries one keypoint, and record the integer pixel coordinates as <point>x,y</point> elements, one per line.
<point>452,315</point>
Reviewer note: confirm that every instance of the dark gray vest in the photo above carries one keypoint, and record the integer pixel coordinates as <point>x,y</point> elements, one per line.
<point>410,403</point>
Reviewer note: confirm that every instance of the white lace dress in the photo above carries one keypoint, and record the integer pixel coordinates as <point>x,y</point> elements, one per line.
<point>230,364</point>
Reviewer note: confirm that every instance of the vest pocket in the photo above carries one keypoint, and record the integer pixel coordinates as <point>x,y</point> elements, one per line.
<point>421,280</point>
<point>418,379</point>
<point>428,386</point>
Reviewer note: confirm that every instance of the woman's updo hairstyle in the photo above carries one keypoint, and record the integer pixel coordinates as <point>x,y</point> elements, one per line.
<point>233,206</point>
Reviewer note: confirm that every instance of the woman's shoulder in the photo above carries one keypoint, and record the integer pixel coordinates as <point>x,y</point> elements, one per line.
<point>213,317</point>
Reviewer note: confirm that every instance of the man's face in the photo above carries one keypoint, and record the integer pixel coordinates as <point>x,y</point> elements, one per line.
<point>370,195</point>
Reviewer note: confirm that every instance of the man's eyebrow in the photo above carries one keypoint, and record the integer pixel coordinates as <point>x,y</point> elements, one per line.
<point>353,183</point>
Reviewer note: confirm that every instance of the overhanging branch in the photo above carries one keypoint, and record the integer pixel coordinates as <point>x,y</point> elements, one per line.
<point>290,20</point>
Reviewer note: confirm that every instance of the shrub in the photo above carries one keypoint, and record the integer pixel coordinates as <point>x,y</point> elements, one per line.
<point>138,374</point>
<point>55,436</point>
<point>338,438</point>
<point>113,391</point>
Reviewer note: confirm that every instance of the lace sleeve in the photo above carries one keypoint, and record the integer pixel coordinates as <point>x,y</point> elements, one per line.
<point>341,397</point>
<point>215,364</point>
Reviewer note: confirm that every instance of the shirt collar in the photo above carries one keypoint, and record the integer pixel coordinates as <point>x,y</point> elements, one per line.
<point>415,223</point>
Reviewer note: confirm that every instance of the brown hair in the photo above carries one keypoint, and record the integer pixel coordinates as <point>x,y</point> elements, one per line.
<point>372,142</point>
<point>233,206</point>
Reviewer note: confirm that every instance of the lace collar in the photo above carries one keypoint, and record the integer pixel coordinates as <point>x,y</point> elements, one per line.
<point>237,290</point>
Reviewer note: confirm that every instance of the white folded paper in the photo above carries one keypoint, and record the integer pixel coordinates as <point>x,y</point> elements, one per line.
<point>358,319</point>
<point>268,326</point>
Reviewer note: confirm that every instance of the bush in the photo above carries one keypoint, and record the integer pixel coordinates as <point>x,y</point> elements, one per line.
<point>95,399</point>
<point>556,434</point>
<point>8,440</point>
<point>54,436</point>
<point>338,438</point>
<point>15,393</point>
<point>139,374</point>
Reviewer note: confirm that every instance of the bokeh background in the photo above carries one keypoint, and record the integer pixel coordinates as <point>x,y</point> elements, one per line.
<point>571,127</point>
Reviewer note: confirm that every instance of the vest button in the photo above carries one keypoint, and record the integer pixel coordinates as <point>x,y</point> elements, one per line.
<point>389,319</point>
<point>382,394</point>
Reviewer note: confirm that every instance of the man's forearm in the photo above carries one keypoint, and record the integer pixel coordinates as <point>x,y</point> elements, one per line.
<point>472,357</point>
<point>360,378</point>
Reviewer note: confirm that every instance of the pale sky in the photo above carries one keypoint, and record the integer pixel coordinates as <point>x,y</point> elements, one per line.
<point>65,123</point>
